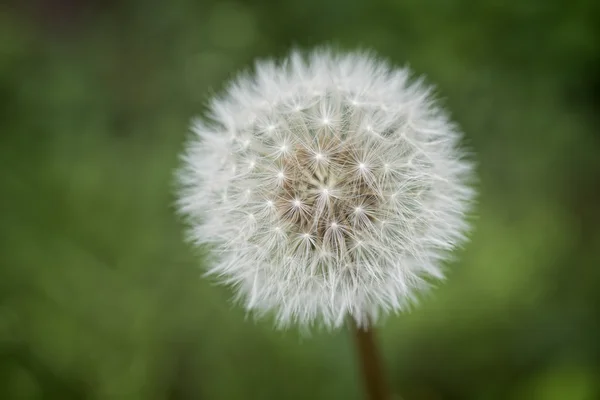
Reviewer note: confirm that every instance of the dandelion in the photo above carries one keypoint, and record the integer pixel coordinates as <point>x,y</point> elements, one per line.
<point>331,186</point>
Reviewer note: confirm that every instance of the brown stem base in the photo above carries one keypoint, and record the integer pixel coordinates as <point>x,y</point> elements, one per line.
<point>371,365</point>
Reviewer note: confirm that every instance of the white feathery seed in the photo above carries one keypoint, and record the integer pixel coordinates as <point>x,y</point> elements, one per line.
<point>330,185</point>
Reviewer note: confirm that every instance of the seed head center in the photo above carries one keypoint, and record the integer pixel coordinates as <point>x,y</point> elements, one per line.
<point>325,202</point>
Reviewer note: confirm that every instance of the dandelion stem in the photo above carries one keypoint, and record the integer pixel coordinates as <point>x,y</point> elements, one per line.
<point>371,364</point>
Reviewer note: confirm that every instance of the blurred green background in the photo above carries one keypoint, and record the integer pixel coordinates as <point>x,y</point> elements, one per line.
<point>100,298</point>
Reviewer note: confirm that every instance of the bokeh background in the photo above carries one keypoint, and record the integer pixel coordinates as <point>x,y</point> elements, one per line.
<point>100,298</point>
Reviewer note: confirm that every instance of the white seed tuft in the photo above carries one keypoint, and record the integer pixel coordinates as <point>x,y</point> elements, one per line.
<point>351,181</point>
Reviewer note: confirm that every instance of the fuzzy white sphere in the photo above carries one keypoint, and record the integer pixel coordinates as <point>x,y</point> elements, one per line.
<point>330,185</point>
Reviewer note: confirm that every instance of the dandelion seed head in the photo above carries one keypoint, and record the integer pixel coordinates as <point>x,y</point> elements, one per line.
<point>352,180</point>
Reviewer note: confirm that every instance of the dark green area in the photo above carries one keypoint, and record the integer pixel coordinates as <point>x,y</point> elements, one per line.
<point>100,298</point>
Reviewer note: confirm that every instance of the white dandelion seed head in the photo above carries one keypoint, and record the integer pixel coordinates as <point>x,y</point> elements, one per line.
<point>331,186</point>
